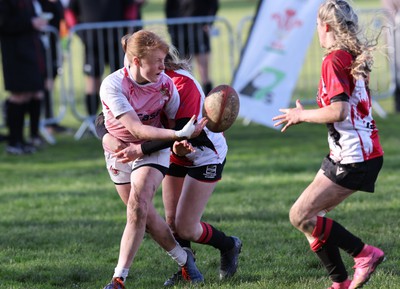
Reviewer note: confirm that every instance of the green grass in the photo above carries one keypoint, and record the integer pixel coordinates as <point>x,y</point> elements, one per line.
<point>61,219</point>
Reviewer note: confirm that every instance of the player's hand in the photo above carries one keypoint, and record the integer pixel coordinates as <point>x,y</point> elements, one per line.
<point>290,116</point>
<point>129,154</point>
<point>191,130</point>
<point>199,127</point>
<point>182,148</point>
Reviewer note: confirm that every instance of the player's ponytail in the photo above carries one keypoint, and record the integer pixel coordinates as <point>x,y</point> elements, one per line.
<point>342,19</point>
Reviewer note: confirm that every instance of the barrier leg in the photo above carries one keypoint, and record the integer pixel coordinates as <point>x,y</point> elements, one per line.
<point>87,124</point>
<point>378,109</point>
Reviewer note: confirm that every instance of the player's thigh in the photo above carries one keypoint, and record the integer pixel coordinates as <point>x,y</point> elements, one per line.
<point>320,195</point>
<point>171,192</point>
<point>192,203</point>
<point>147,174</point>
<point>123,191</point>
<point>144,182</point>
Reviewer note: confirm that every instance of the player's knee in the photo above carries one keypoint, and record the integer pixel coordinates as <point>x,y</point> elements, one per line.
<point>296,218</point>
<point>137,212</point>
<point>170,220</point>
<point>185,232</point>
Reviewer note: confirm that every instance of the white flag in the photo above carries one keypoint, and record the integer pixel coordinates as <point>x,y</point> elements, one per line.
<point>273,56</point>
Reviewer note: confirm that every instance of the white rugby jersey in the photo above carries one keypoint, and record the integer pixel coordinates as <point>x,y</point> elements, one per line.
<point>191,103</point>
<point>356,138</point>
<point>119,94</point>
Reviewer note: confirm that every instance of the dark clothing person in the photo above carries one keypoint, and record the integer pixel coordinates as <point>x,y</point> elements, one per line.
<point>23,69</point>
<point>21,48</point>
<point>193,39</point>
<point>104,47</point>
<point>56,10</point>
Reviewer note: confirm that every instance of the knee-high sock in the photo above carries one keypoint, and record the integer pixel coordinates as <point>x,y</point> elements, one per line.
<point>215,238</point>
<point>33,107</point>
<point>345,240</point>
<point>328,254</point>
<point>15,117</point>
<point>92,101</point>
<point>327,230</point>
<point>47,105</point>
<point>182,242</point>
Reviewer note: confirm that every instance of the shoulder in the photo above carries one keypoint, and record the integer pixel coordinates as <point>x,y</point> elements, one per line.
<point>186,84</point>
<point>338,56</point>
<point>337,60</point>
<point>113,81</point>
<point>117,75</point>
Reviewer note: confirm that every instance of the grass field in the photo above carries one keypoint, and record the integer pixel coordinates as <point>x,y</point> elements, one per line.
<point>61,219</point>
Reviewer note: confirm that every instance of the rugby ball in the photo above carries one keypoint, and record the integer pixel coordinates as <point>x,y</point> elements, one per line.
<point>221,108</point>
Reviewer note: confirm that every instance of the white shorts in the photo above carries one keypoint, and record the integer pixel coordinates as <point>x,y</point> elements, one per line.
<point>121,173</point>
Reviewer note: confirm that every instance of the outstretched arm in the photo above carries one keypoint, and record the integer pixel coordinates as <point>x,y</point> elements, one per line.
<point>335,112</point>
<point>145,132</point>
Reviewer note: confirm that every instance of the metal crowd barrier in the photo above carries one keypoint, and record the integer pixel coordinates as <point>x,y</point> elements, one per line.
<point>58,97</point>
<point>226,46</point>
<point>382,77</point>
<point>395,57</point>
<point>221,64</point>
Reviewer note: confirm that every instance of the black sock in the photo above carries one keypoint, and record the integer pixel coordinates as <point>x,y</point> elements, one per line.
<point>215,238</point>
<point>34,116</point>
<point>47,105</point>
<point>92,103</point>
<point>15,117</point>
<point>332,261</point>
<point>345,240</point>
<point>182,242</point>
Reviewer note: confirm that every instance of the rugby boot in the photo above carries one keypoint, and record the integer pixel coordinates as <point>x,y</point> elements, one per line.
<point>116,283</point>
<point>189,270</point>
<point>341,285</point>
<point>230,260</point>
<point>365,264</point>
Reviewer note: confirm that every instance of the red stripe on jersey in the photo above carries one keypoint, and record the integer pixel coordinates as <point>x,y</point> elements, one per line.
<point>180,161</point>
<point>189,94</point>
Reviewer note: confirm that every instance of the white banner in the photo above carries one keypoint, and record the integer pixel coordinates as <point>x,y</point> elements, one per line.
<point>273,56</point>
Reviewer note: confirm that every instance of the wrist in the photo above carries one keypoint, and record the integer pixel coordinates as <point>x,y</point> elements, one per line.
<point>177,155</point>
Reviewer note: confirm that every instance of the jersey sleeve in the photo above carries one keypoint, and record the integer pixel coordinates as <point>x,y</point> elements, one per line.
<point>172,106</point>
<point>189,93</point>
<point>112,96</point>
<point>190,100</point>
<point>336,74</point>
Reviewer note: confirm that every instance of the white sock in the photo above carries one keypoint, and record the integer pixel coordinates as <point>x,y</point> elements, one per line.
<point>178,254</point>
<point>121,272</point>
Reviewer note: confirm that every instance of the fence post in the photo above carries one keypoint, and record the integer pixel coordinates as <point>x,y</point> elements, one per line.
<point>396,53</point>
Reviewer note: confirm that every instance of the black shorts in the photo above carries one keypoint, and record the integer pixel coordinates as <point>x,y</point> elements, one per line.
<point>190,39</point>
<point>208,173</point>
<point>102,48</point>
<point>356,176</point>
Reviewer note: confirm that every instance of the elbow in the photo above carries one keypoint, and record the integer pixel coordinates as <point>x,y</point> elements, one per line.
<point>342,116</point>
<point>136,134</point>
<point>342,112</point>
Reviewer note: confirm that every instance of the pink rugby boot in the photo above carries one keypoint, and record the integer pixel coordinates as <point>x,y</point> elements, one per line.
<point>365,264</point>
